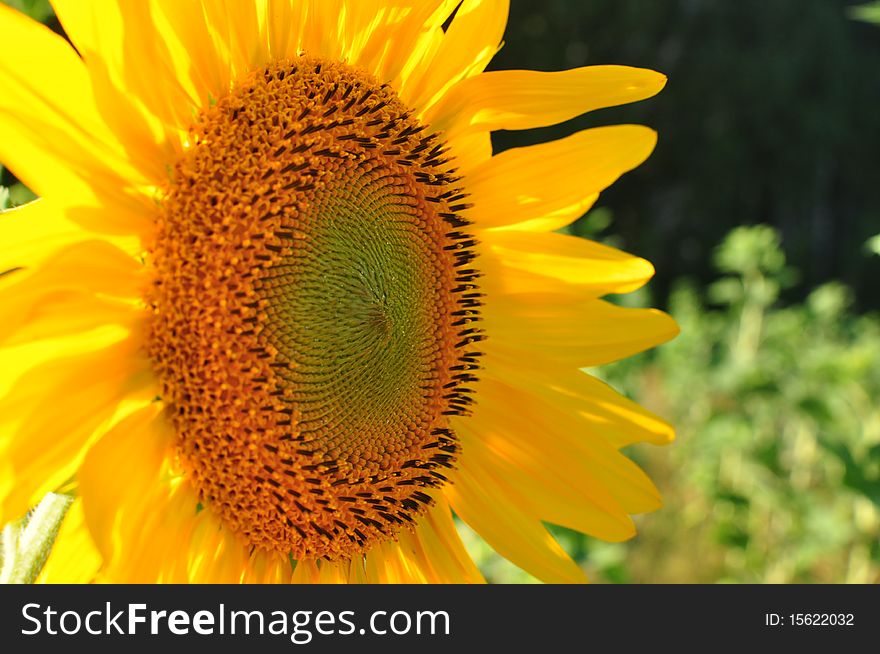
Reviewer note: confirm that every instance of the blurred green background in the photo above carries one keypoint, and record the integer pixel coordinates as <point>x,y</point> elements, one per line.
<point>760,211</point>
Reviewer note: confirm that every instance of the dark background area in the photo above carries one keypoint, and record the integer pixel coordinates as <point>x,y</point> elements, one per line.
<point>771,115</point>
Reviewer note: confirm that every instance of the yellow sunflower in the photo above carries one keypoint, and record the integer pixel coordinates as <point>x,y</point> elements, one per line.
<point>280,311</point>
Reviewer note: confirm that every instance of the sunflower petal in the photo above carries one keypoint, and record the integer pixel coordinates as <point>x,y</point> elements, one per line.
<point>19,359</point>
<point>417,33</point>
<point>237,24</point>
<point>54,138</point>
<point>133,73</point>
<point>379,36</point>
<point>110,480</point>
<point>497,513</point>
<point>141,520</point>
<point>155,550</point>
<point>549,453</point>
<point>72,291</point>
<point>517,262</point>
<point>198,55</point>
<point>464,49</point>
<point>617,419</point>
<point>471,151</point>
<point>389,563</point>
<point>68,314</point>
<point>580,334</point>
<point>437,548</point>
<point>579,502</point>
<point>262,567</point>
<point>560,178</point>
<point>149,525</point>
<point>53,411</point>
<point>323,32</point>
<point>525,99</point>
<point>283,20</point>
<point>34,231</point>
<point>74,559</point>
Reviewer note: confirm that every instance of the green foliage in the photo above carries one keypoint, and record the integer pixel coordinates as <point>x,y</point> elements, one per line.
<point>775,476</point>
<point>39,10</point>
<point>18,195</point>
<point>873,245</point>
<point>869,13</point>
<point>15,195</point>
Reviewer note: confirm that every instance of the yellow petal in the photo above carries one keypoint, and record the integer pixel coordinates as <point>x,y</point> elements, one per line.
<point>577,501</point>
<point>283,20</point>
<point>199,55</point>
<point>74,559</point>
<point>550,221</point>
<point>77,289</point>
<point>517,262</point>
<point>469,152</point>
<point>389,563</point>
<point>141,519</point>
<point>53,412</point>
<point>149,524</point>
<point>609,414</point>
<point>438,550</point>
<point>53,136</point>
<point>525,99</point>
<point>18,359</point>
<point>332,572</point>
<point>34,231</point>
<point>96,266</point>
<point>417,35</point>
<point>471,40</point>
<point>115,472</point>
<point>324,29</point>
<point>568,471</point>
<point>560,178</point>
<point>306,572</point>
<point>177,542</point>
<point>155,550</point>
<point>499,514</point>
<point>580,333</point>
<point>263,567</point>
<point>212,554</point>
<point>433,553</point>
<point>68,314</point>
<point>379,36</point>
<point>133,72</point>
<point>237,25</point>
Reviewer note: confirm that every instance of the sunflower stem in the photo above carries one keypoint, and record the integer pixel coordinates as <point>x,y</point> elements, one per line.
<point>26,544</point>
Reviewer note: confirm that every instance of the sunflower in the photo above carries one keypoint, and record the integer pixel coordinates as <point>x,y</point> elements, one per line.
<point>280,311</point>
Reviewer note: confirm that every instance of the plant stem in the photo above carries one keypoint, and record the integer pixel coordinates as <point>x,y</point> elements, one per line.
<point>27,545</point>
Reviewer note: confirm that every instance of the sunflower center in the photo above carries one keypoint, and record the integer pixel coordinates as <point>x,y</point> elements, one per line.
<point>314,310</point>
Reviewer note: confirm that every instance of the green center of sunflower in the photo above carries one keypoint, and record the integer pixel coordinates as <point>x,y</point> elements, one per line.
<point>314,310</point>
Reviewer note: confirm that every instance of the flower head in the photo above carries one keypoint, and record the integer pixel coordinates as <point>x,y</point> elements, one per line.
<point>280,309</point>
